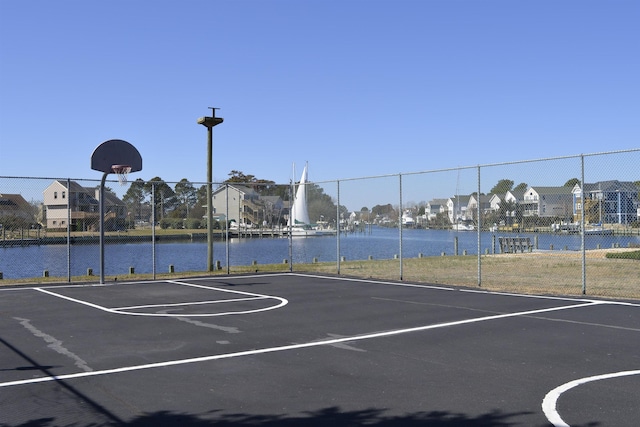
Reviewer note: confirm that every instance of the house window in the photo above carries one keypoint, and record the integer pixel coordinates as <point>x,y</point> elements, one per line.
<point>55,222</point>
<point>64,194</point>
<point>55,194</point>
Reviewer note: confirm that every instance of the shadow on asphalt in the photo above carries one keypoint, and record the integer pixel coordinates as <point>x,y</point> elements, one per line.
<point>332,416</point>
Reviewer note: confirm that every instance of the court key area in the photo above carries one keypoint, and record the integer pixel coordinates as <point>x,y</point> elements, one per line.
<point>295,349</point>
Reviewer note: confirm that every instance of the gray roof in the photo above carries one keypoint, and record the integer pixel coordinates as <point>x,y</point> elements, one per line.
<point>611,187</point>
<point>553,190</point>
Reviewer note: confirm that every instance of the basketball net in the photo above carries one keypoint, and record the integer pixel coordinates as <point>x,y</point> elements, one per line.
<point>121,172</point>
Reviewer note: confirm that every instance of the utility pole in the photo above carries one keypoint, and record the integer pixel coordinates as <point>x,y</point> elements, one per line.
<point>209,123</point>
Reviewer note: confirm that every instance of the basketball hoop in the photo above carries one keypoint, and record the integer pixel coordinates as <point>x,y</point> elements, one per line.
<point>121,172</point>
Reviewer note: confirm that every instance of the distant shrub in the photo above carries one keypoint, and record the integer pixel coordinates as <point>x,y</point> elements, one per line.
<point>192,223</point>
<point>624,255</point>
<point>174,223</point>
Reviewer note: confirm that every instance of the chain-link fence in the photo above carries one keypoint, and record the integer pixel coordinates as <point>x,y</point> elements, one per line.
<point>566,225</point>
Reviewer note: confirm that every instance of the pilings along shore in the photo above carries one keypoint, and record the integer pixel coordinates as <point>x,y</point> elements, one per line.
<point>125,237</point>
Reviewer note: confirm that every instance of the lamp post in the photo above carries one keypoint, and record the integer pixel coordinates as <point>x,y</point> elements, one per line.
<point>209,123</point>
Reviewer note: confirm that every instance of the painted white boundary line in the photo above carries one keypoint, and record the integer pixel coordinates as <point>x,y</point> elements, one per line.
<point>122,310</point>
<point>181,304</point>
<point>348,279</point>
<point>550,401</point>
<point>377,282</point>
<point>455,289</point>
<point>289,347</point>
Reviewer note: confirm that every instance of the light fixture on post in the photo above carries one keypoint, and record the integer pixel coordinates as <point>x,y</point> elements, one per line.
<point>209,123</point>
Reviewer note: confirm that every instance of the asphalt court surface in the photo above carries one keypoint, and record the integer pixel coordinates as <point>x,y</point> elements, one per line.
<point>289,349</point>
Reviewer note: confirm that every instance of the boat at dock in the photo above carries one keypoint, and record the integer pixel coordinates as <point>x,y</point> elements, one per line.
<point>299,223</point>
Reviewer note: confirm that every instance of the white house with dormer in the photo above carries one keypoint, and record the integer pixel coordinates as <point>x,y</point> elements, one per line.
<point>548,202</point>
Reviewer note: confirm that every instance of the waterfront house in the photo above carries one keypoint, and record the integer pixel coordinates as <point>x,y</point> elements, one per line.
<point>16,207</point>
<point>484,200</point>
<point>15,213</point>
<point>515,196</point>
<point>246,206</point>
<point>80,206</point>
<point>607,202</point>
<point>457,208</point>
<point>548,202</point>
<point>495,200</point>
<point>233,201</point>
<point>435,207</point>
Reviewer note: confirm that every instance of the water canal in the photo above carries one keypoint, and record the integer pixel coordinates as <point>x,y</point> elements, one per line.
<point>381,243</point>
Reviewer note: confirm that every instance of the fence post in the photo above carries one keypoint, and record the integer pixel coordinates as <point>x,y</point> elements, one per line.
<point>68,230</point>
<point>338,227</point>
<point>226,215</point>
<point>479,233</point>
<point>292,191</point>
<point>582,223</point>
<point>400,224</point>
<point>153,229</point>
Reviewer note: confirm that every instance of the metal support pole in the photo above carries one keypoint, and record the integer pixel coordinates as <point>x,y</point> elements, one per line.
<point>400,224</point>
<point>101,195</point>
<point>69,230</point>
<point>582,223</point>
<point>153,229</point>
<point>338,229</point>
<point>290,224</point>
<point>226,216</point>
<point>479,233</point>
<point>209,198</point>
<point>209,123</point>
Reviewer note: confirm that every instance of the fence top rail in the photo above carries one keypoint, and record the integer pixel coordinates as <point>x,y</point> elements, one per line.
<point>449,169</point>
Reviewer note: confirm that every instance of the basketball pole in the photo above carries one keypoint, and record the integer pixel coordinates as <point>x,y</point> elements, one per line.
<point>101,195</point>
<point>209,123</point>
<point>112,156</point>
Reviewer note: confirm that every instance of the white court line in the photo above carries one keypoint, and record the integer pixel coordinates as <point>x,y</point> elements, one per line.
<point>549,403</point>
<point>193,285</point>
<point>271,275</point>
<point>282,302</point>
<point>377,282</point>
<point>456,289</point>
<point>289,347</point>
<point>179,304</point>
<point>512,294</point>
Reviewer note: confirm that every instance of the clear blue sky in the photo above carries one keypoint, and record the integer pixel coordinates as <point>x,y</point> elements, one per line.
<point>354,87</point>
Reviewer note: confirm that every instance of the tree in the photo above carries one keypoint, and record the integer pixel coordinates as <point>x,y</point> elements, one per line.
<point>592,211</point>
<point>199,209</point>
<point>240,177</point>
<point>383,210</point>
<point>165,197</point>
<point>365,214</point>
<point>134,198</point>
<point>186,194</point>
<point>572,182</point>
<point>319,204</point>
<point>509,210</point>
<point>264,187</point>
<point>521,187</point>
<point>502,186</point>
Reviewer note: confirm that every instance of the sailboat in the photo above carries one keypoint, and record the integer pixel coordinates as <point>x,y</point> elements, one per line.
<point>299,222</point>
<point>461,224</point>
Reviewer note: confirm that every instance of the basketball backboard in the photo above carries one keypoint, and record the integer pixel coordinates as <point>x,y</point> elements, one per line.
<point>115,152</point>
